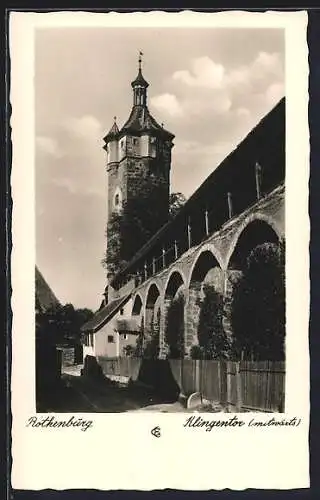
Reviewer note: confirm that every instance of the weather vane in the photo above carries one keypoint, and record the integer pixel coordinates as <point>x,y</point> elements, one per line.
<point>140,58</point>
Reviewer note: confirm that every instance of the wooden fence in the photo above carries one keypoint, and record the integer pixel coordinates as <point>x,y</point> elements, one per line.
<point>238,386</point>
<point>120,367</point>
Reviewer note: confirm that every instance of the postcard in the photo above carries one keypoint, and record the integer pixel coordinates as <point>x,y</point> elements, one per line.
<point>160,250</point>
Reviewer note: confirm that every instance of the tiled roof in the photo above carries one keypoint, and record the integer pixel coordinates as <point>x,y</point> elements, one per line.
<point>102,316</point>
<point>113,132</point>
<point>141,120</point>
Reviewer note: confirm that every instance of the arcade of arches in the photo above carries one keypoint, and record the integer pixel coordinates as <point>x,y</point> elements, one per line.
<point>170,310</point>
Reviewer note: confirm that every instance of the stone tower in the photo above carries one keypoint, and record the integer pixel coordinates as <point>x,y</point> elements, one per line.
<point>138,168</point>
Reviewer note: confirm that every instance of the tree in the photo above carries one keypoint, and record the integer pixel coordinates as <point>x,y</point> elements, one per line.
<point>176,202</point>
<point>61,324</point>
<point>138,220</point>
<point>174,335</point>
<point>258,305</point>
<point>152,349</point>
<point>139,347</point>
<point>213,343</point>
<point>129,350</point>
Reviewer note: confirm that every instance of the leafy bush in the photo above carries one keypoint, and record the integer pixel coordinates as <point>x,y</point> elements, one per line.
<point>61,324</point>
<point>258,305</point>
<point>152,347</point>
<point>139,219</point>
<point>213,343</point>
<point>174,334</point>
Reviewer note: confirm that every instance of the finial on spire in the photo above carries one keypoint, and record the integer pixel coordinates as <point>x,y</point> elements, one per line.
<point>114,119</point>
<point>140,59</point>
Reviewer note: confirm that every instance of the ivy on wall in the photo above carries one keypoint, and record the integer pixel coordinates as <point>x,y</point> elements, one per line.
<point>174,332</point>
<point>212,340</point>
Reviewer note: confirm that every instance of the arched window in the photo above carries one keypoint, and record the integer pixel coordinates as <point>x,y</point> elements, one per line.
<point>117,199</point>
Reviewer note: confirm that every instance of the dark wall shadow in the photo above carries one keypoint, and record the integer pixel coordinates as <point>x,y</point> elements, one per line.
<point>92,369</point>
<point>157,374</point>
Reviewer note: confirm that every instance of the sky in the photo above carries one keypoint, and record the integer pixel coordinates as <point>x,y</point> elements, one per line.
<point>209,87</point>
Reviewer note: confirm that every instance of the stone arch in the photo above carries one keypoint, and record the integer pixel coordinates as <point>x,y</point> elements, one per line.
<point>206,269</point>
<point>174,314</point>
<point>176,280</point>
<point>267,229</point>
<point>255,230</point>
<point>205,260</point>
<point>152,298</point>
<point>208,249</point>
<point>137,306</point>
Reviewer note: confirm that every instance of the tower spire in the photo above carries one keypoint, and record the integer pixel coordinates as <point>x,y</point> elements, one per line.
<point>140,86</point>
<point>140,60</point>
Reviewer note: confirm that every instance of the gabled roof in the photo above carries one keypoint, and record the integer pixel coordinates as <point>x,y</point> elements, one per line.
<point>45,298</point>
<point>102,316</point>
<point>140,120</point>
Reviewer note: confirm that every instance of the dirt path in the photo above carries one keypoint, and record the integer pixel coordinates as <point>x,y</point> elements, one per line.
<point>76,393</point>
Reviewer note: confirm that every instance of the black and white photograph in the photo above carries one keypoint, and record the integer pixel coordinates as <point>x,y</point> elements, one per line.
<point>164,245</point>
<point>160,219</point>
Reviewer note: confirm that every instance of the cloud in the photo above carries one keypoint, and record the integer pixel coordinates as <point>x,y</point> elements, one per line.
<point>167,103</point>
<point>274,93</point>
<point>204,73</point>
<point>243,112</point>
<point>209,74</point>
<point>48,146</point>
<point>268,63</point>
<point>86,126</point>
<point>209,89</point>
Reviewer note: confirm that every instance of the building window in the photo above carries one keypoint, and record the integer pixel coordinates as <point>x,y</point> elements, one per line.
<point>110,339</point>
<point>117,199</point>
<point>125,336</point>
<point>135,141</point>
<point>121,311</point>
<point>89,340</point>
<point>122,145</point>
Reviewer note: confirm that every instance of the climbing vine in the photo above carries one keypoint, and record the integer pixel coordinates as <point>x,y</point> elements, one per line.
<point>174,333</point>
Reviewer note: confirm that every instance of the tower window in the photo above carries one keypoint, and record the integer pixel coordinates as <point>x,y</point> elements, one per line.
<point>117,199</point>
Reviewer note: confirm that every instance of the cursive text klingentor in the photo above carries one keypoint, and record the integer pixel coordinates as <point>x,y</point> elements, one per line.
<point>209,424</point>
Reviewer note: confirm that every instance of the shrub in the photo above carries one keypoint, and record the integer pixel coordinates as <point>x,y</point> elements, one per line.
<point>213,343</point>
<point>258,305</point>
<point>174,334</point>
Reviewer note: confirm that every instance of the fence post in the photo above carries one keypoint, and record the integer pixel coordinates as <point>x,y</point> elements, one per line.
<point>229,382</point>
<point>238,386</point>
<point>223,382</point>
